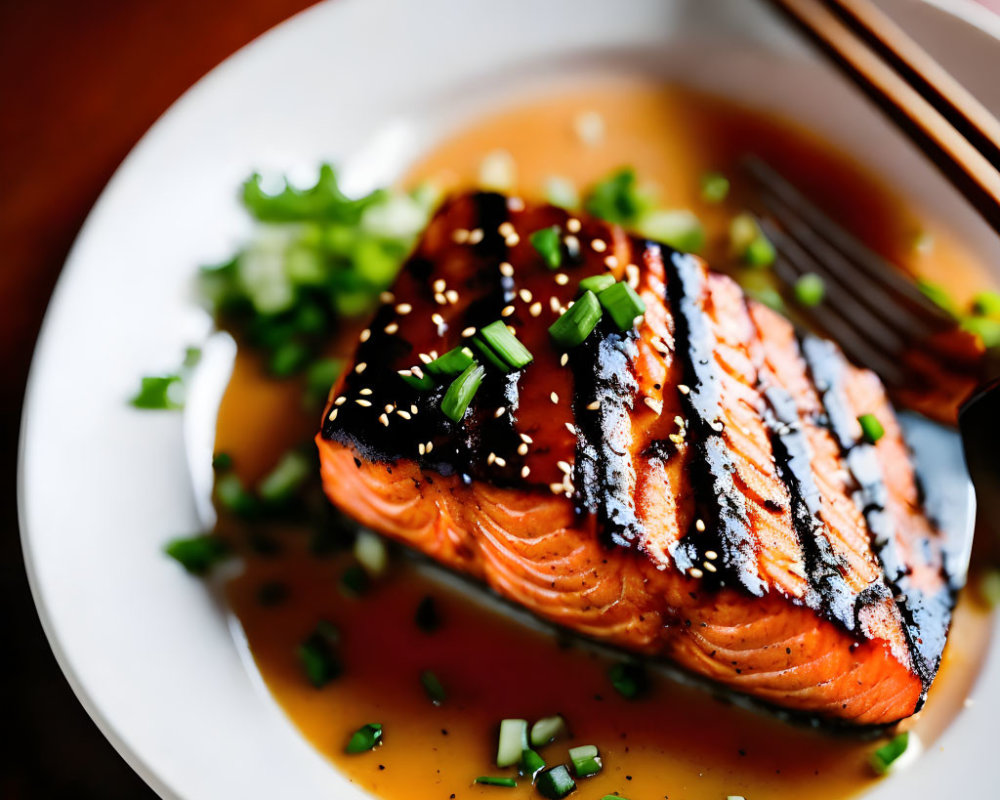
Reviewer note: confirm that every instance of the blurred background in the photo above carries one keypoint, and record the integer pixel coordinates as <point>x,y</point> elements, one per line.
<point>79,85</point>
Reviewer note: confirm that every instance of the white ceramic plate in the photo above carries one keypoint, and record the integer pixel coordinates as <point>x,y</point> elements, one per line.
<point>367,84</point>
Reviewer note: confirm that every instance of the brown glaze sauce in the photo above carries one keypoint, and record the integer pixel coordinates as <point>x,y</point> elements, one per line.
<point>678,741</point>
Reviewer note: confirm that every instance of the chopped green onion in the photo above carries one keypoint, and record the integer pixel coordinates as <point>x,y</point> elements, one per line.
<point>561,192</point>
<point>531,763</point>
<point>938,295</point>
<point>317,655</point>
<point>354,581</point>
<point>871,428</point>
<point>989,587</point>
<point>613,797</point>
<point>288,359</point>
<point>629,679</point>
<point>623,304</point>
<point>233,497</point>
<point>555,783</point>
<point>513,741</point>
<point>714,187</point>
<point>272,593</point>
<point>617,198</point>
<point>546,730</point>
<point>988,330</point>
<point>597,283</point>
<point>453,362</point>
<point>882,759</point>
<point>506,345</point>
<point>810,289</point>
<point>456,400</point>
<point>923,242</point>
<point>427,617</point>
<point>576,324</point>
<point>488,355</point>
<point>371,552</point>
<point>421,384</point>
<point>197,554</point>
<point>364,738</point>
<point>760,253</point>
<point>159,392</point>
<point>586,760</point>
<point>287,477</point>
<point>548,243</point>
<point>432,685</point>
<point>192,355</point>
<point>221,462</point>
<point>489,780</point>
<point>986,304</point>
<point>679,229</point>
<point>743,230</point>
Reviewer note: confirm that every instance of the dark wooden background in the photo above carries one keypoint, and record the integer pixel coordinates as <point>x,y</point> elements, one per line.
<point>80,82</point>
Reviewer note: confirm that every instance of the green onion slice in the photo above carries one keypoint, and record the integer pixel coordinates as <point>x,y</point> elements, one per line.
<point>159,392</point>
<point>628,679</point>
<point>547,730</point>
<point>548,243</point>
<point>810,289</point>
<point>281,483</point>
<point>318,657</point>
<point>882,759</point>
<point>513,741</point>
<point>489,780</point>
<point>233,497</point>
<point>364,738</point>
<point>586,760</point>
<point>531,763</point>
<point>456,400</point>
<point>576,324</point>
<point>760,253</point>
<point>623,304</point>
<point>506,345</point>
<point>489,356</point>
<point>555,783</point>
<point>451,363</point>
<point>714,187</point>
<point>871,428</point>
<point>371,552</point>
<point>419,381</point>
<point>597,283</point>
<point>197,554</point>
<point>433,686</point>
<point>986,304</point>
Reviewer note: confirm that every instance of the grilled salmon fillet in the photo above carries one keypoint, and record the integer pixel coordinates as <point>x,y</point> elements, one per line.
<point>696,489</point>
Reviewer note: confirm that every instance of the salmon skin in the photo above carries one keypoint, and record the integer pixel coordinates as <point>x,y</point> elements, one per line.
<point>696,489</point>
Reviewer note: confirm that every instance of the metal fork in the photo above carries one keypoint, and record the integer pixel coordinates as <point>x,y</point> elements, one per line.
<point>882,320</point>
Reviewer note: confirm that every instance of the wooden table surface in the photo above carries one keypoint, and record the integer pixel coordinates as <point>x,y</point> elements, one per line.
<point>79,84</point>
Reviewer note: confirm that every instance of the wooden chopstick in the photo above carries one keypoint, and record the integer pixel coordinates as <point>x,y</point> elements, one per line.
<point>958,158</point>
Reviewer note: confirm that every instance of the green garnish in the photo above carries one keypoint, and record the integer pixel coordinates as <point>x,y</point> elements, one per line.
<point>613,797</point>
<point>586,760</point>
<point>354,580</point>
<point>989,587</point>
<point>617,198</point>
<point>456,400</point>
<point>555,783</point>
<point>233,497</point>
<point>192,355</point>
<point>364,738</point>
<point>576,324</point>
<point>623,304</point>
<point>810,289</point>
<point>882,759</point>
<point>281,483</point>
<point>427,617</point>
<point>561,192</point>
<point>421,383</point>
<point>871,428</point>
<point>432,685</point>
<point>748,242</point>
<point>760,253</point>
<point>679,229</point>
<point>221,462</point>
<point>323,201</point>
<point>988,330</point>
<point>714,187</point>
<point>451,363</point>
<point>318,657</point>
<point>986,304</point>
<point>371,552</point>
<point>489,780</point>
<point>597,283</point>
<point>489,355</point>
<point>287,359</point>
<point>629,679</point>
<point>531,763</point>
<point>197,554</point>
<point>506,345</point>
<point>548,243</point>
<point>159,392</point>
<point>513,741</point>
<point>938,295</point>
<point>546,730</point>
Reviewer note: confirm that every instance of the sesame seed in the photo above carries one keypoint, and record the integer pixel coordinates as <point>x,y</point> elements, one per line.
<point>451,296</point>
<point>460,236</point>
<point>716,426</point>
<point>711,555</point>
<point>573,225</point>
<point>421,449</point>
<point>506,269</point>
<point>403,309</point>
<point>553,397</point>
<point>383,419</point>
<point>512,240</point>
<point>676,438</point>
<point>440,299</point>
<point>535,309</point>
<point>526,438</point>
<point>333,415</point>
<point>389,408</point>
<point>522,449</point>
<point>683,389</point>
<point>491,458</point>
<point>506,311</point>
<point>611,262</point>
<point>599,245</point>
<point>564,467</point>
<point>525,471</point>
<point>572,243</point>
<point>418,372</point>
<point>361,367</point>
<point>425,358</point>
<point>562,279</point>
<point>655,405</point>
<point>340,401</point>
<point>632,274</point>
<point>366,392</point>
<point>499,412</point>
<point>439,285</point>
<point>512,329</point>
<point>505,229</point>
<point>556,488</point>
<point>392,327</point>
<point>387,297</point>
<point>699,525</point>
<point>594,406</point>
<point>564,359</point>
<point>525,295</point>
<point>501,462</point>
<point>555,305</point>
<point>476,236</point>
<point>430,446</point>
<point>709,566</point>
<point>695,573</point>
<point>571,428</point>
<point>437,319</point>
<point>470,331</point>
<point>366,334</point>
<point>679,421</point>
<point>413,409</point>
<point>364,403</point>
<point>403,414</point>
